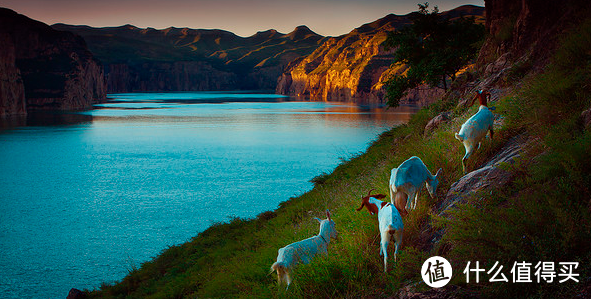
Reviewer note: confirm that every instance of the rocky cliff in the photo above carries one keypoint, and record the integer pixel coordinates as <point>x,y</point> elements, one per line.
<point>526,30</point>
<point>12,90</point>
<point>344,68</point>
<point>47,68</point>
<point>184,59</point>
<point>354,66</point>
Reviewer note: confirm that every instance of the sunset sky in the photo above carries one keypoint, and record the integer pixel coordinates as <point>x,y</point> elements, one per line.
<point>243,17</point>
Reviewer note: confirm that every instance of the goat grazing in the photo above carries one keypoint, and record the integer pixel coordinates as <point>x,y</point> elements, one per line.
<point>303,251</point>
<point>390,223</point>
<point>406,183</point>
<point>476,127</point>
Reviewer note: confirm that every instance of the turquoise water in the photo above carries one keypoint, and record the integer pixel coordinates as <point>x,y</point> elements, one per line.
<point>88,196</point>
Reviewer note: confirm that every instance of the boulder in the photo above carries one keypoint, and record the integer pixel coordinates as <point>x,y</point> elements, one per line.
<point>76,294</point>
<point>436,121</point>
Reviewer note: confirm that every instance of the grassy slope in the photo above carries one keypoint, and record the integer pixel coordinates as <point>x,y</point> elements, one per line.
<point>542,215</point>
<point>545,213</point>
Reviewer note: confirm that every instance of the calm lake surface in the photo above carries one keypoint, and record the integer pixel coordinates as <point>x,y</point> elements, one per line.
<point>88,196</point>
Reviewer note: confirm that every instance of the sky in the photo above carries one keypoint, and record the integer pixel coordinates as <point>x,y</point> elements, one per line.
<point>243,17</point>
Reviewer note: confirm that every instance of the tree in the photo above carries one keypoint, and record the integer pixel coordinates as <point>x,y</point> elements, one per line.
<point>435,49</point>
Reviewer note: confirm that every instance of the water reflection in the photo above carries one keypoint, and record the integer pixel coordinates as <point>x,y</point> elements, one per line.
<point>211,105</point>
<point>45,118</point>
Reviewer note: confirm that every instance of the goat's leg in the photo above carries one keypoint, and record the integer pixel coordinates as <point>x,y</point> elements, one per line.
<point>469,150</point>
<point>412,192</point>
<point>397,242</point>
<point>392,199</point>
<point>288,280</point>
<point>384,249</point>
<point>400,202</point>
<point>491,132</point>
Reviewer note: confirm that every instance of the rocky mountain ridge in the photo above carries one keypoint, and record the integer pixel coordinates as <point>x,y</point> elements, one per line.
<point>42,68</point>
<point>184,59</point>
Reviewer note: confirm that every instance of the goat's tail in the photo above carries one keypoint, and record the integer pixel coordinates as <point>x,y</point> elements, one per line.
<point>391,229</point>
<point>281,271</point>
<point>459,137</point>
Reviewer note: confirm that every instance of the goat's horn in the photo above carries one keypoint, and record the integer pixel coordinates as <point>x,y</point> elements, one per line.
<point>361,207</point>
<point>328,214</point>
<point>369,193</point>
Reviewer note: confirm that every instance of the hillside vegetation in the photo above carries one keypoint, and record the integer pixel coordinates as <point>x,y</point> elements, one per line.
<point>542,214</point>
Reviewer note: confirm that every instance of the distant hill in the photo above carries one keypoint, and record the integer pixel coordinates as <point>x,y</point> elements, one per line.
<point>354,66</point>
<point>176,59</point>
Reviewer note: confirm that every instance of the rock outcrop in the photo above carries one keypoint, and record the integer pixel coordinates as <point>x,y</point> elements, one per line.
<point>489,176</point>
<point>436,121</point>
<point>355,66</point>
<point>50,68</point>
<point>183,59</point>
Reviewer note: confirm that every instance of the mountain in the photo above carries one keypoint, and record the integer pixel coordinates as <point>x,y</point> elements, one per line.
<point>184,59</point>
<point>42,68</point>
<point>354,66</point>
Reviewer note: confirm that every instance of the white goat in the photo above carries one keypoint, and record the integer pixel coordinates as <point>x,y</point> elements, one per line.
<point>476,127</point>
<point>406,182</point>
<point>390,223</point>
<point>303,251</point>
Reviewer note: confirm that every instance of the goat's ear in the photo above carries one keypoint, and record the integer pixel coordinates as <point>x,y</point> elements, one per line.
<point>317,219</point>
<point>379,196</point>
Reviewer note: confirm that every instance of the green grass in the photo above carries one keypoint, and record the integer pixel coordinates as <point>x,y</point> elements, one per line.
<point>543,215</point>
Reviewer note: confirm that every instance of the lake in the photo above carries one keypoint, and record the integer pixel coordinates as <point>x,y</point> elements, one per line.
<point>87,196</point>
